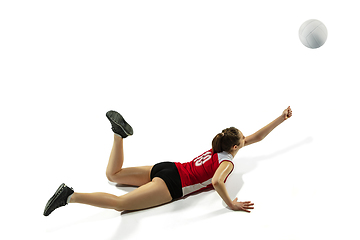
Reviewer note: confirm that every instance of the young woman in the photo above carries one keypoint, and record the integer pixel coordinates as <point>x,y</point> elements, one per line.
<point>166,181</point>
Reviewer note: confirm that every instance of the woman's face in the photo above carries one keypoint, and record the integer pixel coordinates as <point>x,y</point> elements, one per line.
<point>242,139</point>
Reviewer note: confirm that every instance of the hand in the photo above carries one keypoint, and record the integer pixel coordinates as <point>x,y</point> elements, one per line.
<point>287,113</point>
<point>241,206</point>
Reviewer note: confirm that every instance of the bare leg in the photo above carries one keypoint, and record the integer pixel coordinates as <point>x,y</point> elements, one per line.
<point>135,176</point>
<point>99,199</point>
<point>152,194</point>
<point>116,159</point>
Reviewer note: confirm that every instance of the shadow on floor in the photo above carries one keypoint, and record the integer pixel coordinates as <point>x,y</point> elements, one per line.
<point>248,164</point>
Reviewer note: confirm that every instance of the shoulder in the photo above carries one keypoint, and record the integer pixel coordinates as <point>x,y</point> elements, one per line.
<point>224,156</point>
<point>222,172</point>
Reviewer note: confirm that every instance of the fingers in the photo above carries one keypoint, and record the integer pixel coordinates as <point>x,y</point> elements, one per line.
<point>247,205</point>
<point>288,113</point>
<point>243,206</point>
<point>246,208</point>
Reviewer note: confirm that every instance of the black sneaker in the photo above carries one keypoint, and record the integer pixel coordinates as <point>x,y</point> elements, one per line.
<point>59,199</point>
<point>119,125</point>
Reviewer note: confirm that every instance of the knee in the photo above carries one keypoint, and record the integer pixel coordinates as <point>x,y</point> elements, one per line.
<point>120,205</point>
<point>110,176</point>
<point>117,177</point>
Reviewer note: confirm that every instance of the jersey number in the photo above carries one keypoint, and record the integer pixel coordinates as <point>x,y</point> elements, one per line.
<point>202,159</point>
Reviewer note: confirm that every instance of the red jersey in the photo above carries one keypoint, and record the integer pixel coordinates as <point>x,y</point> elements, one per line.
<point>197,174</point>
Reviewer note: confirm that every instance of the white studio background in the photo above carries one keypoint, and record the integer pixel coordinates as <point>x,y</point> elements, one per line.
<point>179,72</point>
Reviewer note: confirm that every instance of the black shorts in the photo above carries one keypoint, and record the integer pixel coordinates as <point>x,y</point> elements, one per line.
<point>168,172</point>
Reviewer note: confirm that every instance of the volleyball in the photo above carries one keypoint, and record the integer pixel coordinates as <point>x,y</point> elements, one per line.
<point>313,33</point>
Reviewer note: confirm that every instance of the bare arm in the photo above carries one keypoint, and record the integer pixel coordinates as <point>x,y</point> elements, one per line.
<point>218,182</point>
<point>263,132</point>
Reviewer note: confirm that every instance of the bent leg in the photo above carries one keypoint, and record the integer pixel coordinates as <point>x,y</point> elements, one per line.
<point>116,159</point>
<point>135,176</point>
<point>152,194</point>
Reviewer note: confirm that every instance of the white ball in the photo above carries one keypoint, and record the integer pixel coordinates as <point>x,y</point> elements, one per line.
<point>313,33</point>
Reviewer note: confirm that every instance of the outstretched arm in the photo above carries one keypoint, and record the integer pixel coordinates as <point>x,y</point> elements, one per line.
<point>262,133</point>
